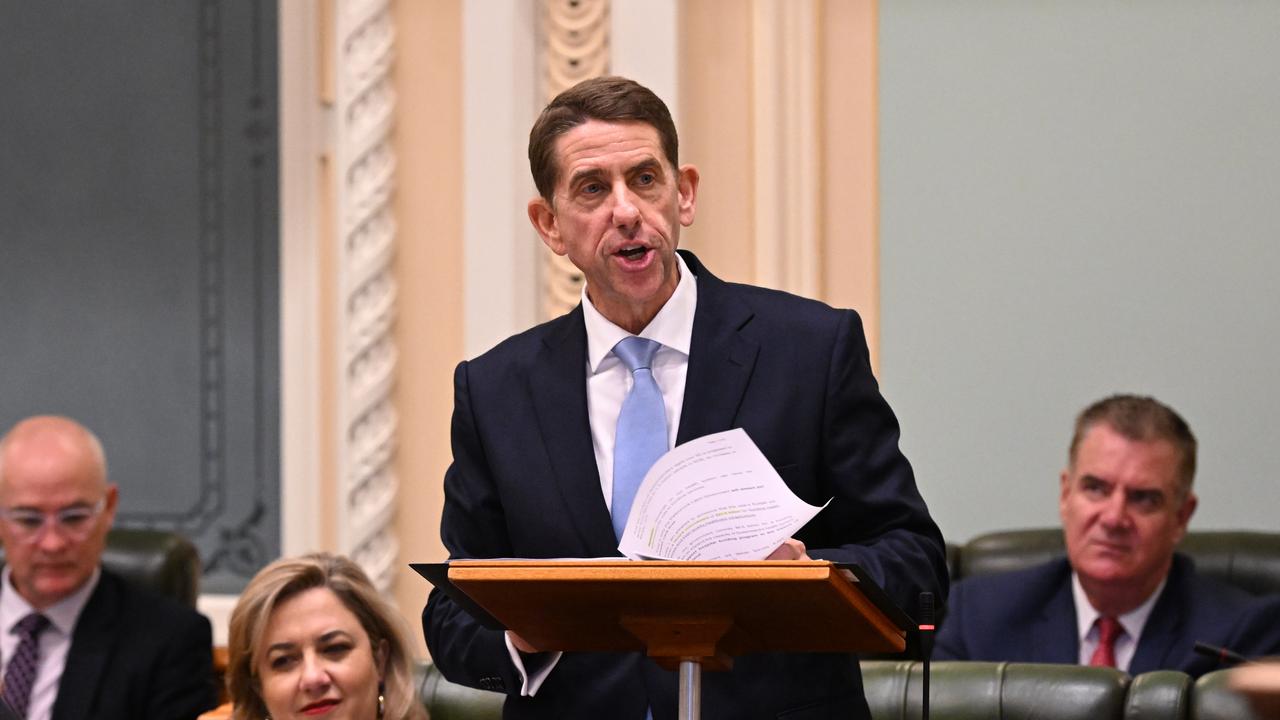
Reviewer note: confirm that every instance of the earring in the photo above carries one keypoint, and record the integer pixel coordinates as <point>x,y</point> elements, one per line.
<point>381,699</point>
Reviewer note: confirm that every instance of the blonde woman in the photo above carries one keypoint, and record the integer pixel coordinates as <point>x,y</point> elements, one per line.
<point>312,638</point>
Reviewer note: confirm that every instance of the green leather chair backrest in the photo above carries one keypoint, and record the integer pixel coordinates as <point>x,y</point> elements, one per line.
<point>1250,560</point>
<point>1212,699</point>
<point>994,691</point>
<point>960,691</point>
<point>445,700</point>
<point>159,560</point>
<point>1159,695</point>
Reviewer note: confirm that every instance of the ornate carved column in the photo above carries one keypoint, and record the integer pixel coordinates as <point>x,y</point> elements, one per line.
<point>363,180</point>
<point>575,35</point>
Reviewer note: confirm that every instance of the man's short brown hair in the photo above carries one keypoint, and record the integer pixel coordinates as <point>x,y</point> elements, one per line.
<point>609,99</point>
<point>1141,419</point>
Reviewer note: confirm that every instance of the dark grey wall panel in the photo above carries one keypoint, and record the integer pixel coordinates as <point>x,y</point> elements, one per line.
<point>139,255</point>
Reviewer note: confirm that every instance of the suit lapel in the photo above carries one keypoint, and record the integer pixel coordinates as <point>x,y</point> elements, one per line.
<point>558,386</point>
<point>1161,629</point>
<point>721,358</point>
<point>91,645</point>
<point>1055,638</point>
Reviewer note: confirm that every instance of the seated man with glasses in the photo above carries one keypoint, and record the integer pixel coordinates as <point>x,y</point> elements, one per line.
<point>75,640</point>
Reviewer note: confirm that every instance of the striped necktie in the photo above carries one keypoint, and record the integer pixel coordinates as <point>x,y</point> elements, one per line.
<point>21,672</point>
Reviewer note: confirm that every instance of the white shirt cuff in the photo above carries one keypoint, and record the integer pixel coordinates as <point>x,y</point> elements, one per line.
<point>529,684</point>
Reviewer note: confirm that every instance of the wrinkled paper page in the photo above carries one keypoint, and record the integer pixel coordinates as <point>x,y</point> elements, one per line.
<point>713,498</point>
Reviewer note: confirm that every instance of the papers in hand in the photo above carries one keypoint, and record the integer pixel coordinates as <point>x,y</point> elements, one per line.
<point>714,498</point>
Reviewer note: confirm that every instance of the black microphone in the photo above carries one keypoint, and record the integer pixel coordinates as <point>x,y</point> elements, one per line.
<point>1221,654</point>
<point>925,629</point>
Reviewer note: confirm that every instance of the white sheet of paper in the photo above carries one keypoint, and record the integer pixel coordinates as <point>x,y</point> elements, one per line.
<point>713,498</point>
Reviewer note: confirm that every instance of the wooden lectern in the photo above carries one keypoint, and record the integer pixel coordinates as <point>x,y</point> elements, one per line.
<point>685,615</point>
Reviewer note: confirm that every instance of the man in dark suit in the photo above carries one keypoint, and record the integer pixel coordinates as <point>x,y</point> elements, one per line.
<point>76,641</point>
<point>1122,597</point>
<point>534,423</point>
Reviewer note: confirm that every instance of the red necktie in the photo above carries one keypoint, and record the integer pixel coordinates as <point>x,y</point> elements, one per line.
<point>1109,629</point>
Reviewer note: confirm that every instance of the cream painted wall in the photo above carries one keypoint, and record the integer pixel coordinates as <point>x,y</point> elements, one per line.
<point>718,81</point>
<point>850,212</point>
<point>715,132</point>
<point>429,270</point>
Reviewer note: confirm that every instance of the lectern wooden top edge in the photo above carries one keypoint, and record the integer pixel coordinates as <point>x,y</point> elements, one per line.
<point>706,609</point>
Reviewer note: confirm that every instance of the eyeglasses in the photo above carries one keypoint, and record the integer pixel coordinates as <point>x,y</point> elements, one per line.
<point>73,523</point>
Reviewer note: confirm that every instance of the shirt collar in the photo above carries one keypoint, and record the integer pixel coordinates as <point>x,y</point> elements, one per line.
<point>1132,621</point>
<point>672,326</point>
<point>62,614</point>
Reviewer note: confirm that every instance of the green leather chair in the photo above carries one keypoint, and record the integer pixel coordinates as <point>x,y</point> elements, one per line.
<point>958,691</point>
<point>1212,699</point>
<point>1159,695</point>
<point>995,691</point>
<point>1250,560</point>
<point>155,559</point>
<point>449,701</point>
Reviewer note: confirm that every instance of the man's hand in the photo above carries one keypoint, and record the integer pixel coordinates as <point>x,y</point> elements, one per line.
<point>523,645</point>
<point>790,549</point>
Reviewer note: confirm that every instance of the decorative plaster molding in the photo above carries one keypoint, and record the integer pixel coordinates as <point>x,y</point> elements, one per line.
<point>576,47</point>
<point>787,166</point>
<point>365,163</point>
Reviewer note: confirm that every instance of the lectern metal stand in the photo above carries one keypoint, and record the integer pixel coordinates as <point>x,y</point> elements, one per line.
<point>687,616</point>
<point>690,690</point>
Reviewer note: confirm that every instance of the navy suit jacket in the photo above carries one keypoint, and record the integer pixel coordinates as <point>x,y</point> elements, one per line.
<point>136,656</point>
<point>1029,616</point>
<point>794,374</point>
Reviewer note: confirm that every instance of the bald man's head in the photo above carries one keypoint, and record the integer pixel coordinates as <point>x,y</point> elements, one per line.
<point>55,506</point>
<point>55,436</point>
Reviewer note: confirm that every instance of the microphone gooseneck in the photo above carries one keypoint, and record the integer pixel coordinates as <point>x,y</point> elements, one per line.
<point>925,630</point>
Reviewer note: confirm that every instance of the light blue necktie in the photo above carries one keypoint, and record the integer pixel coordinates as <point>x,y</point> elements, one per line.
<point>642,428</point>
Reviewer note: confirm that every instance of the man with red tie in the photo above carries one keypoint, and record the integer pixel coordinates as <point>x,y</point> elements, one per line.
<point>1122,597</point>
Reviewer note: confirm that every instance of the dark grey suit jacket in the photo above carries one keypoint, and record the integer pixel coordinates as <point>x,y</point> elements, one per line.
<point>794,374</point>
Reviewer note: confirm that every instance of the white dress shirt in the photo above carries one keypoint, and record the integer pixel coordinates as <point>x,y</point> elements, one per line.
<point>55,641</point>
<point>608,383</point>
<point>1133,622</point>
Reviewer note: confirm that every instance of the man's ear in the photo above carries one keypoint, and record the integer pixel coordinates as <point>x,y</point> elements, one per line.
<point>688,193</point>
<point>543,217</point>
<point>1185,512</point>
<point>113,499</point>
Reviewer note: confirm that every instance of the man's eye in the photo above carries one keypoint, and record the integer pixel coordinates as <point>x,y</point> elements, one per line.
<point>28,522</point>
<point>74,519</point>
<point>1093,488</point>
<point>1146,501</point>
<point>646,178</point>
<point>592,188</point>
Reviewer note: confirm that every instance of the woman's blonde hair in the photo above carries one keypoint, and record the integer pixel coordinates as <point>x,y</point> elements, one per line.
<point>282,580</point>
